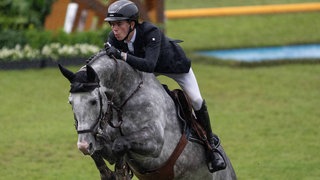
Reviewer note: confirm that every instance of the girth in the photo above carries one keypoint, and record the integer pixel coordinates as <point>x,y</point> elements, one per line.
<point>166,171</point>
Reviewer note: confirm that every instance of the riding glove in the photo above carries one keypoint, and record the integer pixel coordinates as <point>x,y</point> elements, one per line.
<point>112,51</point>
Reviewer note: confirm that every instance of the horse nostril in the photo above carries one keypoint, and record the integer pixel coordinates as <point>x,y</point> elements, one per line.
<point>90,147</point>
<point>83,147</point>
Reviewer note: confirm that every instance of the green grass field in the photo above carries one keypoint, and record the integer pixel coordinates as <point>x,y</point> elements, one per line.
<point>246,31</point>
<point>266,116</point>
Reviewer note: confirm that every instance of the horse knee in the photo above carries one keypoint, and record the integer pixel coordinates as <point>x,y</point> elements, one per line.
<point>120,146</point>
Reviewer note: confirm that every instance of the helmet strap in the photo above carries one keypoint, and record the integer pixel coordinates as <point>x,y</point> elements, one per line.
<point>130,30</point>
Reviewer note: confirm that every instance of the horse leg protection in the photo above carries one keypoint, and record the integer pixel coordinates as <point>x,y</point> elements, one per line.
<point>122,170</point>
<point>215,157</point>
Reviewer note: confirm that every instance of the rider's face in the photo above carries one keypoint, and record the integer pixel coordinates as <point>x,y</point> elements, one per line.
<point>120,29</point>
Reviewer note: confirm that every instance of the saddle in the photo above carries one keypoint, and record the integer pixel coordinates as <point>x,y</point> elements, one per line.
<point>193,130</point>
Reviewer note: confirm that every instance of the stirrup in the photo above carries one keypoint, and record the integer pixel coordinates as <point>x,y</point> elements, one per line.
<point>213,152</point>
<point>210,160</point>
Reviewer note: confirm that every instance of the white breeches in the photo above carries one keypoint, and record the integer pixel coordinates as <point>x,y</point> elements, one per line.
<point>189,84</point>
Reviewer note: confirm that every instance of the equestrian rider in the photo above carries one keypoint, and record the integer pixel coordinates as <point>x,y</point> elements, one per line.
<point>145,47</point>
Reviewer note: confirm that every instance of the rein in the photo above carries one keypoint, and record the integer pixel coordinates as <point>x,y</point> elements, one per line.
<point>111,106</point>
<point>119,109</point>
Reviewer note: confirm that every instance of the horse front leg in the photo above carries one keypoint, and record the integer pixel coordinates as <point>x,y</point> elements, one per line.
<point>105,172</point>
<point>122,170</point>
<point>145,142</point>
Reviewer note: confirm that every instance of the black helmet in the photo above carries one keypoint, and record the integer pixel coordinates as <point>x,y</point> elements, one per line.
<point>122,10</point>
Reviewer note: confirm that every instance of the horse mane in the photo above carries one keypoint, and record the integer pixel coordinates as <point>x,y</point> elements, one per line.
<point>81,75</point>
<point>96,56</point>
<point>81,81</point>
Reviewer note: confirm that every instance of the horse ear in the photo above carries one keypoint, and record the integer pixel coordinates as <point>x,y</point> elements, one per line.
<point>91,74</point>
<point>66,73</point>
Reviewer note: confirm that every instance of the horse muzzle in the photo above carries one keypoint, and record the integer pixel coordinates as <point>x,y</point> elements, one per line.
<point>85,147</point>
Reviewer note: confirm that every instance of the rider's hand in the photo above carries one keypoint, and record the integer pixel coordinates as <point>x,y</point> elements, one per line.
<point>112,51</point>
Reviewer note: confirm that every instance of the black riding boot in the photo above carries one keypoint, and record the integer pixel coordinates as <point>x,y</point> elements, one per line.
<point>215,158</point>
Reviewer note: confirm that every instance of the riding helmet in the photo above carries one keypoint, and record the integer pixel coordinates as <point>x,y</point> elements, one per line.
<point>122,10</point>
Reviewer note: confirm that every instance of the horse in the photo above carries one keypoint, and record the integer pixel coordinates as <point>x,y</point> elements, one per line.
<point>126,117</point>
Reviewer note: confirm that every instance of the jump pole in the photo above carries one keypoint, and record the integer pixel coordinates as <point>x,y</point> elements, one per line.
<point>242,10</point>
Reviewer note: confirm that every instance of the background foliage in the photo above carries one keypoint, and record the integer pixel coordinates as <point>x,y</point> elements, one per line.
<point>22,22</point>
<point>38,38</point>
<point>19,15</point>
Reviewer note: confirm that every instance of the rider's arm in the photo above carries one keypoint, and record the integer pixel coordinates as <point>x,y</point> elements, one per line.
<point>152,51</point>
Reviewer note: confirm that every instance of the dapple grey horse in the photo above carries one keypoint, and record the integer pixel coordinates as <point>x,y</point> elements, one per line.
<point>126,114</point>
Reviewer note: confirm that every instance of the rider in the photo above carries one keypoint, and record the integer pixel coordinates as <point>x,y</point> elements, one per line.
<point>145,47</point>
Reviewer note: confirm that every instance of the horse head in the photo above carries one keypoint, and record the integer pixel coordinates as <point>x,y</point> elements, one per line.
<point>88,100</point>
<point>113,110</point>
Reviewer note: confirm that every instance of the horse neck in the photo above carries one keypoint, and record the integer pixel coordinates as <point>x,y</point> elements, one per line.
<point>118,76</point>
<point>123,81</point>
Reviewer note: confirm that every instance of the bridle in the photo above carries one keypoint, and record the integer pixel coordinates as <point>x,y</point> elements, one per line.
<point>93,129</point>
<point>107,116</point>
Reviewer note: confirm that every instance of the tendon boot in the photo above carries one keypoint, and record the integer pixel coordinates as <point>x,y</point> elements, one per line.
<point>215,157</point>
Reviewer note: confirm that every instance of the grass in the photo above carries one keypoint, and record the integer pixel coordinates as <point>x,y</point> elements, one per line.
<point>266,116</point>
<point>263,112</point>
<point>246,31</point>
<point>37,135</point>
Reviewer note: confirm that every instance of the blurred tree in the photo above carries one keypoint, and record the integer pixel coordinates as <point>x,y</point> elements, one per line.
<point>19,15</point>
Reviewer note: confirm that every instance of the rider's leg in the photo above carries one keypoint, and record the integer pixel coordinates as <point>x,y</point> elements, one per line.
<point>218,162</point>
<point>188,83</point>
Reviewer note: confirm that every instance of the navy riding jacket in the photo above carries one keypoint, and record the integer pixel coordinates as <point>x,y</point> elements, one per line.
<point>153,51</point>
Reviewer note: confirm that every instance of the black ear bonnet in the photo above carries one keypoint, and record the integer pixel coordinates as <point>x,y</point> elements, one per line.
<point>84,80</point>
<point>81,83</point>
